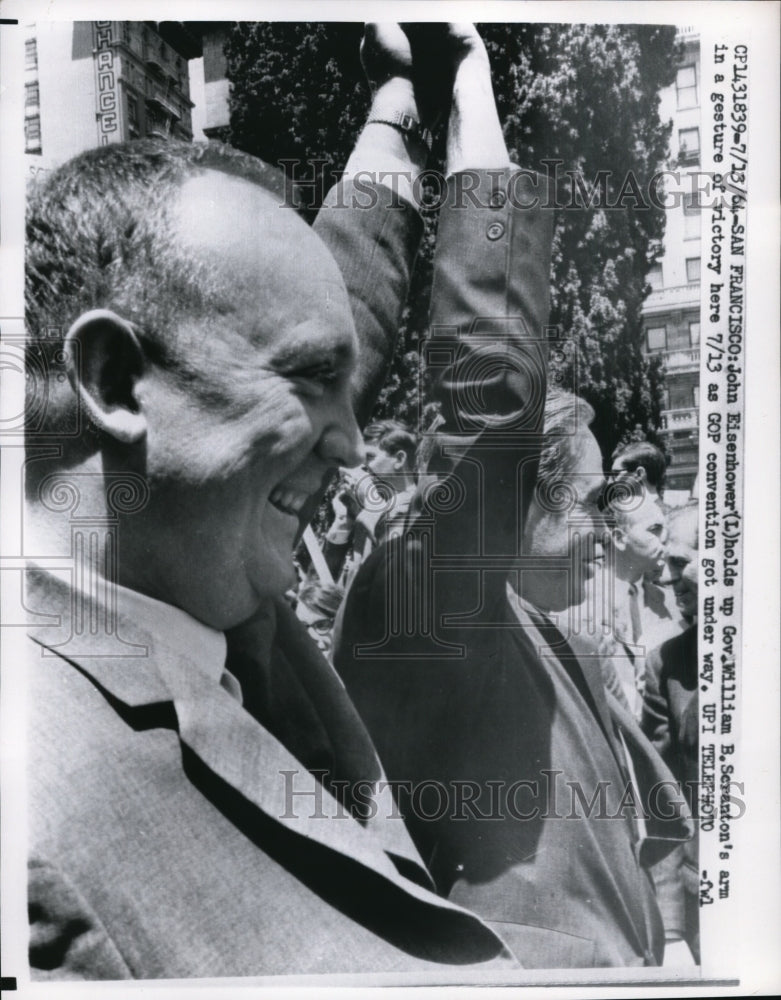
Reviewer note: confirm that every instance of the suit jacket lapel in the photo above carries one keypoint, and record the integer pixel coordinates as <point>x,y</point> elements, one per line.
<point>231,743</point>
<point>236,748</point>
<point>585,673</point>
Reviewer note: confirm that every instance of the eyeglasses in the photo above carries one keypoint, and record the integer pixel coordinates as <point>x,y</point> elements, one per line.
<point>322,626</point>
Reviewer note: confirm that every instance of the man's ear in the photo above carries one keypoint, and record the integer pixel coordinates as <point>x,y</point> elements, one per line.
<point>104,361</point>
<point>618,539</point>
<point>641,474</point>
<point>400,460</point>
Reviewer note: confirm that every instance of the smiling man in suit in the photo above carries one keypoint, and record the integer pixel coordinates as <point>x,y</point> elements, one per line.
<point>190,817</point>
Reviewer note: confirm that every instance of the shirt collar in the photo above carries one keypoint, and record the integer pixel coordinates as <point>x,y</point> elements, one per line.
<point>173,630</point>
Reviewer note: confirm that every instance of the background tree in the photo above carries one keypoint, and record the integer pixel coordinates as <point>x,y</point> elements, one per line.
<point>585,99</point>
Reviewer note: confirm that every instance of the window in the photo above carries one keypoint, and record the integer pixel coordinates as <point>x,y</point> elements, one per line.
<point>686,456</point>
<point>692,270</point>
<point>680,397</point>
<point>686,87</point>
<point>31,54</point>
<point>32,134</point>
<point>689,145</point>
<point>156,124</point>
<point>691,227</point>
<point>657,338</point>
<point>691,217</point>
<point>31,95</point>
<point>696,395</point>
<point>678,338</point>
<point>694,332</point>
<point>665,399</point>
<point>132,112</point>
<point>655,276</point>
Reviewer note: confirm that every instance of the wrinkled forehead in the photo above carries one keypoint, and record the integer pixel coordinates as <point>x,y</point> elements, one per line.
<point>683,533</point>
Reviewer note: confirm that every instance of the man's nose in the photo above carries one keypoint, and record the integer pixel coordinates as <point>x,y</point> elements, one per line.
<point>341,442</point>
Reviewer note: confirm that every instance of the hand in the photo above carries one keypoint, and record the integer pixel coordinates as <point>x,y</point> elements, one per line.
<point>432,67</point>
<point>474,138</point>
<point>437,52</point>
<point>385,53</point>
<point>464,41</point>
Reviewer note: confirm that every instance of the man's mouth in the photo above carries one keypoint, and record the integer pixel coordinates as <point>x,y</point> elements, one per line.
<point>596,556</point>
<point>287,500</point>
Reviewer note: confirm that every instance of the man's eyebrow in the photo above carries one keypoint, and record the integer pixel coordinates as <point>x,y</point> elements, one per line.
<point>303,353</point>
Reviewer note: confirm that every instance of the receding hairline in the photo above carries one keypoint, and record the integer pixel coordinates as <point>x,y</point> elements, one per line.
<point>207,200</point>
<point>683,524</point>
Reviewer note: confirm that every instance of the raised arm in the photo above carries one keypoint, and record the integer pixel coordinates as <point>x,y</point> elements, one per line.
<point>370,220</point>
<point>489,311</point>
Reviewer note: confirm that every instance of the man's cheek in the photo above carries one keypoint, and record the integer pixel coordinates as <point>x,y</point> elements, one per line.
<point>285,432</point>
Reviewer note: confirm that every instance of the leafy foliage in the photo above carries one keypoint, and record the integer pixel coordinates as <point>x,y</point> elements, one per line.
<point>584,98</point>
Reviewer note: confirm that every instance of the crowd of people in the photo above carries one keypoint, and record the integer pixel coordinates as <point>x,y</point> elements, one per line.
<point>466,737</point>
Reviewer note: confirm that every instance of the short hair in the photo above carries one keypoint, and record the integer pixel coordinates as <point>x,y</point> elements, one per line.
<point>567,416</point>
<point>392,436</point>
<point>100,235</point>
<point>325,598</point>
<point>646,455</point>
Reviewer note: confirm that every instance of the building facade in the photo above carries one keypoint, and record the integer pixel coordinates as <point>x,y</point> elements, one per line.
<point>672,310</point>
<point>90,83</point>
<point>209,81</point>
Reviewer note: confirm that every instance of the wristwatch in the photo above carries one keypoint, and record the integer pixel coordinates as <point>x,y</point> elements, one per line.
<point>406,124</point>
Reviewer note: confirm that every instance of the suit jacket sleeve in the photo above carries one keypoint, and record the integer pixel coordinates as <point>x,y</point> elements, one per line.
<point>670,894</point>
<point>667,873</point>
<point>668,820</point>
<point>373,235</point>
<point>487,357</point>
<point>656,711</point>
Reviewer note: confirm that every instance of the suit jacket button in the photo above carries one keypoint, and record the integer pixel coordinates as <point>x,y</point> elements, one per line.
<point>495,231</point>
<point>497,199</point>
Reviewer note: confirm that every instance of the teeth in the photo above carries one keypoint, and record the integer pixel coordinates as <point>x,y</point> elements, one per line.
<point>287,501</point>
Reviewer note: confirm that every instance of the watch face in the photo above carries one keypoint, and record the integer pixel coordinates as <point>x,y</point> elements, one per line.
<point>406,123</point>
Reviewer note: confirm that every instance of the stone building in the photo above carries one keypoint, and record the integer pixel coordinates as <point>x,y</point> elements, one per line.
<point>672,310</point>
<point>89,83</point>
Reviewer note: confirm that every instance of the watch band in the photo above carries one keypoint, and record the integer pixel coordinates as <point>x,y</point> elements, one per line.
<point>406,124</point>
